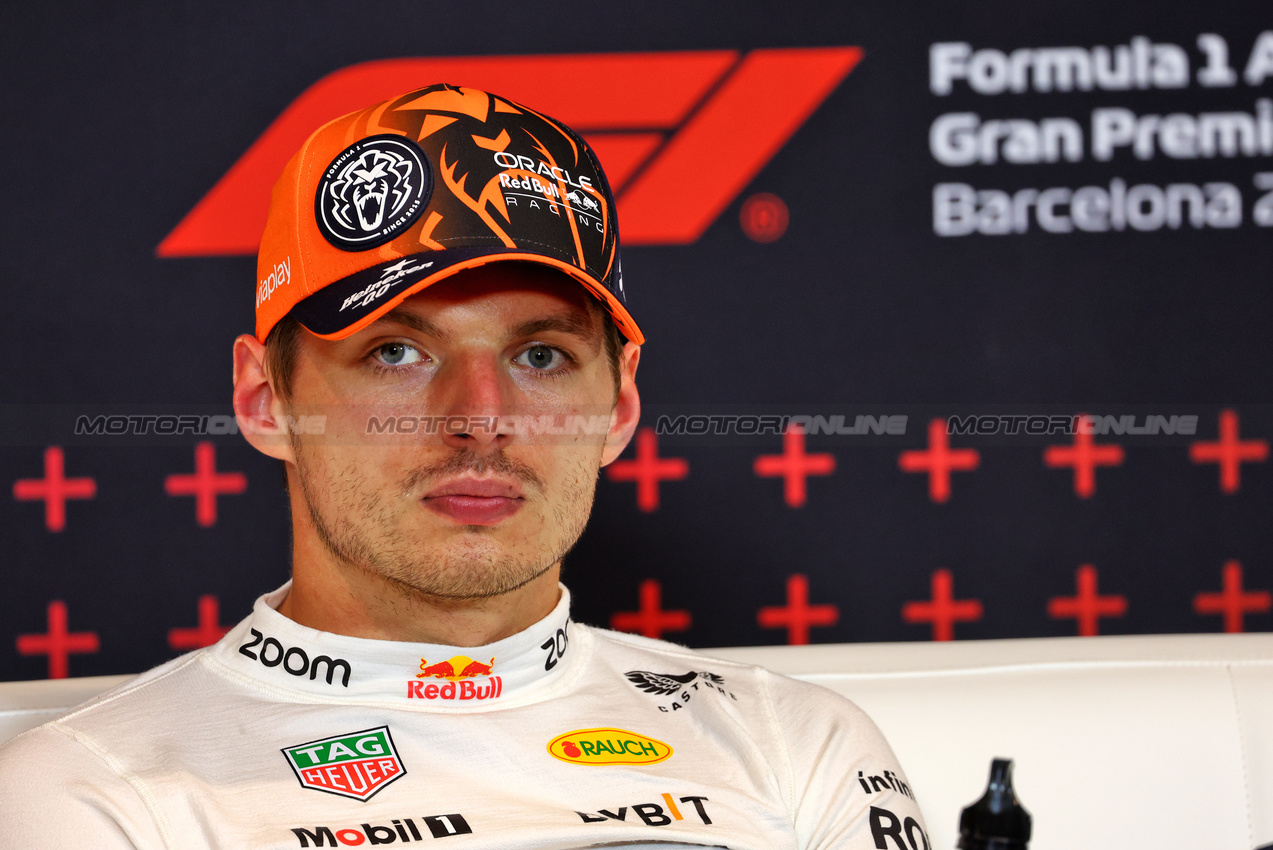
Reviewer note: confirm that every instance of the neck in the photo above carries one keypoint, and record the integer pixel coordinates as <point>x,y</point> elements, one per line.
<point>332,596</point>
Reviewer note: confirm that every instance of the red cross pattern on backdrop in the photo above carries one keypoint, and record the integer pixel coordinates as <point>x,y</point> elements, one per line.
<point>206,484</point>
<point>794,466</point>
<point>58,643</point>
<point>648,469</point>
<point>1232,602</point>
<point>1229,452</point>
<point>1084,455</point>
<point>209,630</point>
<point>943,610</point>
<point>797,615</point>
<point>1087,606</point>
<point>651,620</point>
<point>54,488</point>
<point>939,461</point>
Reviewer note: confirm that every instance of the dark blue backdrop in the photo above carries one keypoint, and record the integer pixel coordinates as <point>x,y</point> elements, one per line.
<point>119,122</point>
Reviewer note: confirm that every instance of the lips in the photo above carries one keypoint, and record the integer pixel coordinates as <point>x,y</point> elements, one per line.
<point>475,501</point>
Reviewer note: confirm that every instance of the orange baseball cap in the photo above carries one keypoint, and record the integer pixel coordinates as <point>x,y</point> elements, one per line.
<point>381,203</point>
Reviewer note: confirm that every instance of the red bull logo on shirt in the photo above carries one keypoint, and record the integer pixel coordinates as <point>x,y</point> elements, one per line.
<point>455,673</point>
<point>355,764</point>
<point>459,667</point>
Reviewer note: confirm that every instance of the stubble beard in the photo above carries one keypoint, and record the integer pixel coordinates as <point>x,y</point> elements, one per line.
<point>359,526</point>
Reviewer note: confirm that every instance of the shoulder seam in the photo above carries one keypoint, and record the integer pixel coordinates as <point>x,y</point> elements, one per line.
<point>665,648</point>
<point>127,688</point>
<point>771,715</point>
<point>135,782</point>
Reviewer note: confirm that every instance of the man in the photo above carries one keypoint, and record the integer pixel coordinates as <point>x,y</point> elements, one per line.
<point>439,290</point>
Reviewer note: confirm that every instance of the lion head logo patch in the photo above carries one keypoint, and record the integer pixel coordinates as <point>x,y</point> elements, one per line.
<point>372,191</point>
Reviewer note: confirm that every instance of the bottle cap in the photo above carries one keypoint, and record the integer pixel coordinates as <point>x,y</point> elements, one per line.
<point>997,821</point>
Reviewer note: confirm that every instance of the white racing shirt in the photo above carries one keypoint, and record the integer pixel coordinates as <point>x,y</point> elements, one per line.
<point>561,736</point>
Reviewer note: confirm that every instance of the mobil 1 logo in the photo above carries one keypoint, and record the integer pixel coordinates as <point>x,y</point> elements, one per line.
<point>400,830</point>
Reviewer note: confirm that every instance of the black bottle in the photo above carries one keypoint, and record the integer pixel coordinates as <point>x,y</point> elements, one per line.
<point>997,821</point>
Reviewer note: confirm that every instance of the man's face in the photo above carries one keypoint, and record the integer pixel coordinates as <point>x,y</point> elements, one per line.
<point>448,500</point>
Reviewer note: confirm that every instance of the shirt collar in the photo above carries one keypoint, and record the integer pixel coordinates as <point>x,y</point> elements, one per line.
<point>273,650</point>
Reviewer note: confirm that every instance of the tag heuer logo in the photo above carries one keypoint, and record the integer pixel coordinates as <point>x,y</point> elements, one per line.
<point>356,764</point>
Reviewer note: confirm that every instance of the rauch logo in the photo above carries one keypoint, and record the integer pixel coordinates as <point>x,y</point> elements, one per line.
<point>675,161</point>
<point>608,746</point>
<point>355,764</point>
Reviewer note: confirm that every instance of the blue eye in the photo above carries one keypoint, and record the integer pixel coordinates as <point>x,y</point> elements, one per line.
<point>397,354</point>
<point>540,357</point>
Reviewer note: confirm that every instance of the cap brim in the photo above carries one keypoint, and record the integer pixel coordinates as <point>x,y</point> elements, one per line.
<point>345,307</point>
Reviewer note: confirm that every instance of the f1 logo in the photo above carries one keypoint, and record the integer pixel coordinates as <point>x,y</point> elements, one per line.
<point>680,134</point>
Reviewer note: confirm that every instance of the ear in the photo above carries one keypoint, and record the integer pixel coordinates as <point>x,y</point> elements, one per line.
<point>627,408</point>
<point>260,411</point>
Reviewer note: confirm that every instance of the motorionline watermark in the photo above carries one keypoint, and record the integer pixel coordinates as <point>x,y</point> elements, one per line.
<point>598,422</point>
<point>199,425</point>
<point>1037,425</point>
<point>556,424</point>
<point>678,425</point>
<point>748,425</point>
<point>518,424</point>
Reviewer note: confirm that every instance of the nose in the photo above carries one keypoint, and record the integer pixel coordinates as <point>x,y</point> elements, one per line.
<point>474,393</point>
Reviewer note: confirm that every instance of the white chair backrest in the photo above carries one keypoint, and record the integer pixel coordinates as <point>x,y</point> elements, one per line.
<point>1118,743</point>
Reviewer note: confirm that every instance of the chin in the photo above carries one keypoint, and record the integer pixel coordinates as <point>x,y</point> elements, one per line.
<point>473,581</point>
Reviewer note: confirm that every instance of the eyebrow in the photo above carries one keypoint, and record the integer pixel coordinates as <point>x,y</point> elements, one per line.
<point>415,322</point>
<point>563,323</point>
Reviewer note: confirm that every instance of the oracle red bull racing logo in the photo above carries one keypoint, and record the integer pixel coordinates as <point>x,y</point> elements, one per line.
<point>463,679</point>
<point>354,764</point>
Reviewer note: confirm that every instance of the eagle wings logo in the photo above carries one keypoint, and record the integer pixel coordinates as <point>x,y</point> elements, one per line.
<point>659,683</point>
